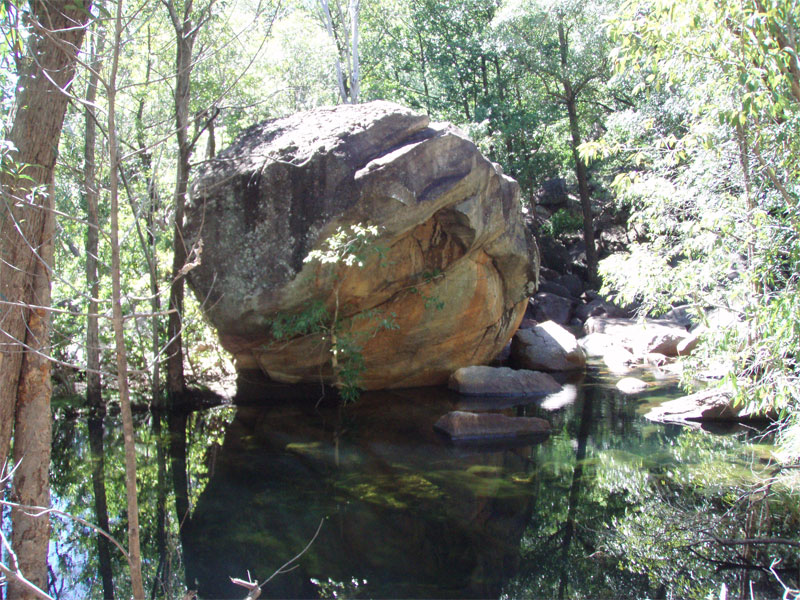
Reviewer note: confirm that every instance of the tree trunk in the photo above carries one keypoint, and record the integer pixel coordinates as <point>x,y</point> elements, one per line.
<point>93,384</point>
<point>583,192</point>
<point>185,36</point>
<point>134,553</point>
<point>355,71</point>
<point>32,429</point>
<point>149,247</point>
<point>26,226</point>
<point>326,17</point>
<point>570,100</point>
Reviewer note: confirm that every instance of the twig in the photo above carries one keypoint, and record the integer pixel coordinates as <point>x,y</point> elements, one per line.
<point>252,584</point>
<point>54,511</point>
<point>787,591</point>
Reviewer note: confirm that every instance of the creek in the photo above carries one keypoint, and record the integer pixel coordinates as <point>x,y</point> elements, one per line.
<point>609,505</point>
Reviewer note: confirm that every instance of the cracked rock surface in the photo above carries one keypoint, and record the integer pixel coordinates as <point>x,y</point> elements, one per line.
<point>452,265</point>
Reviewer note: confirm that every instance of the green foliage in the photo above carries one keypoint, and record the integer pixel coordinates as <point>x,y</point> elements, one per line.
<point>310,320</point>
<point>707,162</point>
<point>563,222</point>
<point>346,248</point>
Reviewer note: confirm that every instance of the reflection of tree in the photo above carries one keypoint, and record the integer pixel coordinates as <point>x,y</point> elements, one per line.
<point>180,484</point>
<point>574,490</point>
<point>100,503</point>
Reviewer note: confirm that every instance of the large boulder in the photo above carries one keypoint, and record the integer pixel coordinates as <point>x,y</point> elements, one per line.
<point>440,280</point>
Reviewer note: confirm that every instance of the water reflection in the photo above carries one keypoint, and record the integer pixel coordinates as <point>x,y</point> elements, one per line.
<point>606,507</point>
<point>405,513</point>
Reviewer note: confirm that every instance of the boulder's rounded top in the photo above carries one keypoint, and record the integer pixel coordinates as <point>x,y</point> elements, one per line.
<point>361,131</point>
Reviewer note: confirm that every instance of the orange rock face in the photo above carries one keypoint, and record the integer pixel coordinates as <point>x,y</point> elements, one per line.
<point>443,284</point>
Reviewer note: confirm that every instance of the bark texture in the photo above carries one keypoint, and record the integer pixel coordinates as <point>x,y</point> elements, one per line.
<point>26,231</point>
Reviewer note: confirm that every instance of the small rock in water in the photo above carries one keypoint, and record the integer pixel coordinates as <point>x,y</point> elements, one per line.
<point>631,385</point>
<point>501,381</point>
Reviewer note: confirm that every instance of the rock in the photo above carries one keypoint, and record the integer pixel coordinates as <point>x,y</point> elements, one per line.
<point>598,344</point>
<point>707,405</point>
<point>619,360</point>
<point>460,425</point>
<point>547,274</point>
<point>550,307</point>
<point>449,230</point>
<point>599,307</point>
<point>554,254</point>
<point>501,381</point>
<point>682,315</point>
<point>655,359</point>
<point>640,337</point>
<point>547,347</point>
<point>688,344</point>
<point>553,193</point>
<point>631,385</point>
<point>571,282</point>
<point>557,289</point>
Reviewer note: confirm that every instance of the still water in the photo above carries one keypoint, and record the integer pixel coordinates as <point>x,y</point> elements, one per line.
<point>608,506</point>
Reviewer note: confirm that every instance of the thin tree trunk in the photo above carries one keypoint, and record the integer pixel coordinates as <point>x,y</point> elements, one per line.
<point>134,552</point>
<point>26,229</point>
<point>150,246</point>
<point>326,17</point>
<point>185,36</point>
<point>355,70</point>
<point>583,192</point>
<point>93,383</point>
<point>580,166</point>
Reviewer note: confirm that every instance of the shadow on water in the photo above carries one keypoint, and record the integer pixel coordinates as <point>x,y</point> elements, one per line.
<point>590,511</point>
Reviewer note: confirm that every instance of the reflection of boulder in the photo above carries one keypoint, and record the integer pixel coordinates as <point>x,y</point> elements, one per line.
<point>461,425</point>
<point>456,263</point>
<point>403,510</point>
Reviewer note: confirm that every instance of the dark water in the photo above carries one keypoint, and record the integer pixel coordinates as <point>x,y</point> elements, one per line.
<point>610,505</point>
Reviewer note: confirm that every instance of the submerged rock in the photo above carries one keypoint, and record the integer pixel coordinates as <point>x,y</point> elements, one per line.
<point>631,385</point>
<point>463,426</point>
<point>442,281</point>
<point>501,381</point>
